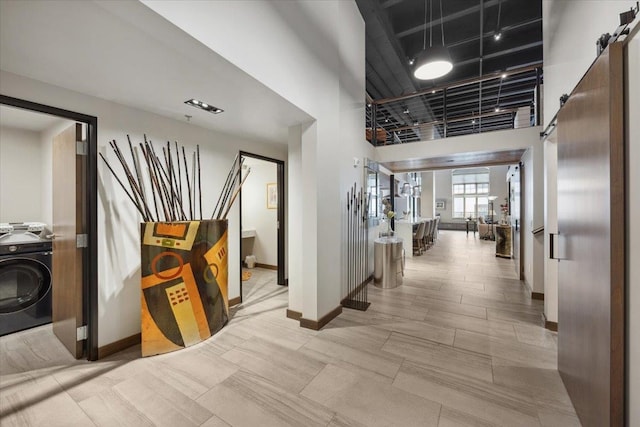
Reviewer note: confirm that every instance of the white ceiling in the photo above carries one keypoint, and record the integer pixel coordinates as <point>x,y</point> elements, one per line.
<point>27,120</point>
<point>126,53</point>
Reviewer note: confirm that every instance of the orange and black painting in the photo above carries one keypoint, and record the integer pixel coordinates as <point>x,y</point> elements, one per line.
<point>184,283</point>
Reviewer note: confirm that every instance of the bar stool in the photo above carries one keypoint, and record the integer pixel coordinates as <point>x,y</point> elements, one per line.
<point>418,237</point>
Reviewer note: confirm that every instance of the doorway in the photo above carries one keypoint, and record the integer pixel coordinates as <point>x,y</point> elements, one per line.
<point>79,333</point>
<point>262,226</point>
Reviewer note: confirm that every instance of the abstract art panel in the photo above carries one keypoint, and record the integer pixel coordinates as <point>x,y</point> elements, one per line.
<point>184,283</point>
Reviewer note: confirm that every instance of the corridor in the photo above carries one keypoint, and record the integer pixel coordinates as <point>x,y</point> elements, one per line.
<point>459,343</point>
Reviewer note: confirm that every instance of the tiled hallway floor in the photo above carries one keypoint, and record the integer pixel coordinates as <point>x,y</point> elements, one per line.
<point>459,344</point>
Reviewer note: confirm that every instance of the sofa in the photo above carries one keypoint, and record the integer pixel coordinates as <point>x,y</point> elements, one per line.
<point>484,229</point>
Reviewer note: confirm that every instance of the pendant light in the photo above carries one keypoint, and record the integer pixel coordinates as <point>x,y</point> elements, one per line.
<point>433,61</point>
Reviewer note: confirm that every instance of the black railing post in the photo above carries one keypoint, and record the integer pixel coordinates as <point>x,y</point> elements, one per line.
<point>392,197</point>
<point>444,111</point>
<point>374,125</point>
<point>538,106</point>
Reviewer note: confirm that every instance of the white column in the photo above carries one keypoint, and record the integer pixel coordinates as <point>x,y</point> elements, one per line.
<point>428,198</point>
<point>294,218</point>
<point>550,227</point>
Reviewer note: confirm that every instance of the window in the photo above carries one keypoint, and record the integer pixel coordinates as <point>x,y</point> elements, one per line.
<point>470,189</point>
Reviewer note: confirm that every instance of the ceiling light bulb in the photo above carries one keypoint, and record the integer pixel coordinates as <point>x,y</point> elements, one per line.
<point>196,102</point>
<point>473,122</point>
<point>497,109</point>
<point>433,62</point>
<point>497,36</point>
<point>412,61</point>
<point>504,76</point>
<point>433,91</point>
<point>406,111</point>
<point>204,105</point>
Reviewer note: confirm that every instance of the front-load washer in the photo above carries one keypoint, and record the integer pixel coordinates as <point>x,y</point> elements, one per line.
<point>25,281</point>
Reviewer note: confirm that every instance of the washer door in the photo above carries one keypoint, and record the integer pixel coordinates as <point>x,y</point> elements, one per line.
<point>23,282</point>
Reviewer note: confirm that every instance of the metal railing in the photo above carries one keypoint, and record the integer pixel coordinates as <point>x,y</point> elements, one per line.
<point>497,101</point>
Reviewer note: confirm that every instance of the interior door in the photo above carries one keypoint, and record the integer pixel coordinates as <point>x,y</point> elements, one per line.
<point>516,208</point>
<point>591,242</point>
<point>67,289</point>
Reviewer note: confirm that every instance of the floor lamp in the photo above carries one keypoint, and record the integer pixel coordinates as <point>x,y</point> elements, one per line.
<point>492,235</point>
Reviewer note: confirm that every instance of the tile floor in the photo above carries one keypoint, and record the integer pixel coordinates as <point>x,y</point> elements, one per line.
<point>458,344</point>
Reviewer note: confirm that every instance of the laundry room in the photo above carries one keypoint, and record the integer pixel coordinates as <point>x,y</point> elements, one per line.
<point>26,198</point>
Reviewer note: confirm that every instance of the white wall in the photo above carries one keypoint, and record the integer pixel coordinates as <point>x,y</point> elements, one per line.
<point>118,222</point>
<point>570,30</point>
<point>311,54</point>
<point>46,148</point>
<point>428,196</point>
<point>512,139</point>
<point>633,231</point>
<point>255,214</point>
<point>20,175</point>
<point>550,226</point>
<point>497,187</point>
<point>443,191</point>
<point>533,217</point>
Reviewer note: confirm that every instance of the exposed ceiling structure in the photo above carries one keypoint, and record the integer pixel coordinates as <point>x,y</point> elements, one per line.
<point>503,70</point>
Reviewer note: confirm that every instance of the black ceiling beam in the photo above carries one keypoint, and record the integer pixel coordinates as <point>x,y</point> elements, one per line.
<point>500,53</point>
<point>463,82</point>
<point>446,18</point>
<point>505,87</point>
<point>387,4</point>
<point>399,69</point>
<point>493,32</point>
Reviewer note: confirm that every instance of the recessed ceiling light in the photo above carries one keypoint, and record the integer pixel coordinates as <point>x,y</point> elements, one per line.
<point>203,106</point>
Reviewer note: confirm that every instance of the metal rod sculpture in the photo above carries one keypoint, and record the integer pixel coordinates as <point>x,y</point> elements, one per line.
<point>166,184</point>
<point>357,250</point>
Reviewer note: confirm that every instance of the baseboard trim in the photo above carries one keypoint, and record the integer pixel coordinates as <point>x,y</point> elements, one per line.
<point>235,301</point>
<point>357,289</point>
<point>552,326</point>
<point>316,325</point>
<point>537,295</point>
<point>116,346</point>
<point>295,315</point>
<point>267,266</point>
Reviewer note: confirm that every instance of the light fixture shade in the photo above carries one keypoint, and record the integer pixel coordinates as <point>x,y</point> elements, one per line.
<point>433,62</point>
<point>406,190</point>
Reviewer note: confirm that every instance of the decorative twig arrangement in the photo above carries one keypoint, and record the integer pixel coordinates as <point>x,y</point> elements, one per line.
<point>357,250</point>
<point>166,200</point>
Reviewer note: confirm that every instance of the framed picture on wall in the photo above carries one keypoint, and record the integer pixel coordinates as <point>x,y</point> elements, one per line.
<point>440,204</point>
<point>272,196</point>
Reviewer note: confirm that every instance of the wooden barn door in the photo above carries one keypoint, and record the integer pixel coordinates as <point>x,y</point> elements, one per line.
<point>591,242</point>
